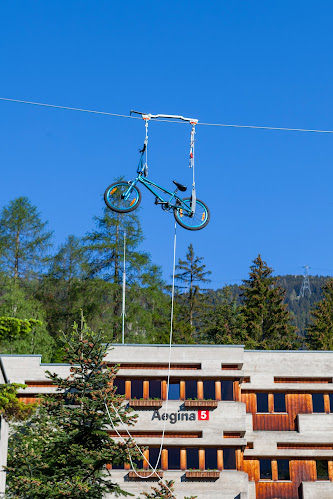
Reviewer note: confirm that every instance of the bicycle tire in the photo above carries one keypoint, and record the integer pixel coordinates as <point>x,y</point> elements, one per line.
<point>199,220</point>
<point>113,197</point>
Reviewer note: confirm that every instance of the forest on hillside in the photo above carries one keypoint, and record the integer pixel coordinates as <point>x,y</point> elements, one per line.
<point>54,286</point>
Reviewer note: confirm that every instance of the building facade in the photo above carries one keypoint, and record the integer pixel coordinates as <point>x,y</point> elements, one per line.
<point>238,424</point>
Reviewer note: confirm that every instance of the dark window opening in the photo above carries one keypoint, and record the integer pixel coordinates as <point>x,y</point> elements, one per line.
<point>120,385</point>
<point>227,390</point>
<point>318,402</point>
<point>262,402</point>
<point>211,459</point>
<point>155,389</point>
<point>153,456</point>
<point>192,456</point>
<point>322,470</point>
<point>209,390</point>
<point>118,466</point>
<point>174,458</point>
<point>229,459</point>
<point>191,389</point>
<point>331,401</point>
<point>283,469</point>
<point>279,402</point>
<point>174,391</point>
<point>137,389</point>
<point>265,469</point>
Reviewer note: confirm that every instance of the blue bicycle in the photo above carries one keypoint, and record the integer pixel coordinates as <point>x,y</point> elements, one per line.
<point>124,197</point>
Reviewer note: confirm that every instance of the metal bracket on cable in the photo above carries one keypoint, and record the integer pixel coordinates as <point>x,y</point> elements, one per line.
<point>193,195</point>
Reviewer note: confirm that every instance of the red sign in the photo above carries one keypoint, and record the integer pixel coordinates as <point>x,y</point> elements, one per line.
<point>203,415</point>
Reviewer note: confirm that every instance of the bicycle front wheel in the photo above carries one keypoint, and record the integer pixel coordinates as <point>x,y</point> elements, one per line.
<point>121,197</point>
<point>198,221</point>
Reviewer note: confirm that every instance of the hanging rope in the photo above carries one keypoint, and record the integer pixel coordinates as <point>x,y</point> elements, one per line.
<point>168,378</point>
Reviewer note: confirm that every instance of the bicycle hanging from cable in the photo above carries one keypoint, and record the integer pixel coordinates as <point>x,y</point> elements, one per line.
<point>123,196</point>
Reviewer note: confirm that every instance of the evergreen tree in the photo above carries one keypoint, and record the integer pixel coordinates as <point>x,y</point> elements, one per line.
<point>64,448</point>
<point>191,273</point>
<point>224,323</point>
<point>24,240</point>
<point>320,331</point>
<point>266,317</point>
<point>165,490</point>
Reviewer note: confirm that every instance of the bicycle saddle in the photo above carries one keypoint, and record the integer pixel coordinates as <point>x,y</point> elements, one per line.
<point>180,186</point>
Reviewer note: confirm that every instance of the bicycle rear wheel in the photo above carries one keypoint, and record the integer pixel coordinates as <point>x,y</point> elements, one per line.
<point>121,197</point>
<point>198,221</point>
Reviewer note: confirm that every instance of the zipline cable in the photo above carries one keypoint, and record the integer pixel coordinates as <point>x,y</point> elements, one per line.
<point>226,125</point>
<point>168,377</point>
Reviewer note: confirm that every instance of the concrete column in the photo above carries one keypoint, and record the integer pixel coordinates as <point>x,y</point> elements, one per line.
<point>145,463</point>
<point>183,461</point>
<point>200,393</point>
<point>146,389</point>
<point>3,453</point>
<point>218,392</point>
<point>182,390</point>
<point>164,459</point>
<point>274,470</point>
<point>128,389</point>
<point>202,463</point>
<point>220,459</point>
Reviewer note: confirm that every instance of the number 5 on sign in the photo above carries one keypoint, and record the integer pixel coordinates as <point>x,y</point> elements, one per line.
<point>203,415</point>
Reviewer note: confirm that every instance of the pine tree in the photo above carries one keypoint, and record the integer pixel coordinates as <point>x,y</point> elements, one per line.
<point>191,273</point>
<point>24,240</point>
<point>320,331</point>
<point>163,491</point>
<point>64,448</point>
<point>266,317</point>
<point>224,323</point>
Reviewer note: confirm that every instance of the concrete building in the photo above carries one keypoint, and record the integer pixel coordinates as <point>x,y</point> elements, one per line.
<point>239,424</point>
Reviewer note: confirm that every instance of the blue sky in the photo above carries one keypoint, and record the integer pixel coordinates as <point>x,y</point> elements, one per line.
<point>258,62</point>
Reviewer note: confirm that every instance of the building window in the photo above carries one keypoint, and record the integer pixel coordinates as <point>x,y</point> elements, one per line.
<point>229,458</point>
<point>137,389</point>
<point>191,389</point>
<point>138,463</point>
<point>118,466</point>
<point>155,389</point>
<point>173,458</point>
<point>154,452</point>
<point>265,469</point>
<point>322,470</point>
<point>318,402</point>
<point>174,391</point>
<point>331,401</point>
<point>120,385</point>
<point>227,390</point>
<point>209,389</point>
<point>283,469</point>
<point>211,459</point>
<point>279,402</point>
<point>262,402</point>
<point>192,458</point>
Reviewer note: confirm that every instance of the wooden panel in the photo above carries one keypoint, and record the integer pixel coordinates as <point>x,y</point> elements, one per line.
<point>182,393</point>
<point>200,390</point>
<point>246,379</point>
<point>183,460</point>
<point>231,434</point>
<point>237,391</point>
<point>146,389</point>
<point>249,399</point>
<point>127,466</point>
<point>220,459</point>
<point>239,460</point>
<point>330,470</point>
<point>251,467</point>
<point>146,463</point>
<point>29,400</point>
<point>305,446</point>
<point>128,389</point>
<point>270,402</point>
<point>230,367</point>
<point>157,434</point>
<point>302,380</point>
<point>274,469</point>
<point>202,459</point>
<point>303,470</point>
<point>164,459</point>
<point>39,383</point>
<point>164,390</point>
<point>327,403</point>
<point>218,393</point>
<point>274,490</point>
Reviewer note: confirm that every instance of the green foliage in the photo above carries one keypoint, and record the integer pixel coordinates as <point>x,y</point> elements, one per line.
<point>223,324</point>
<point>24,239</point>
<point>320,332</point>
<point>62,451</point>
<point>266,317</point>
<point>164,490</point>
<point>11,408</point>
<point>12,328</point>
